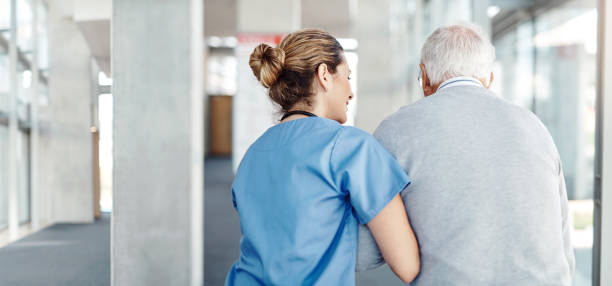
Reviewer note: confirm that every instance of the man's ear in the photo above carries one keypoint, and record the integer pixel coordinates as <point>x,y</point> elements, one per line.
<point>428,89</point>
<point>490,81</point>
<point>324,77</point>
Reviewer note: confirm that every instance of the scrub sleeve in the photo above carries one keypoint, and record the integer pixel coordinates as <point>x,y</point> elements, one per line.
<point>366,172</point>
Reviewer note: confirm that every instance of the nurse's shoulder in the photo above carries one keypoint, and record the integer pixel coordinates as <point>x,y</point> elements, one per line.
<point>352,136</point>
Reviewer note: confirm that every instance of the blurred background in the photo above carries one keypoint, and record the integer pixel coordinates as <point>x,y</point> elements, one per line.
<point>135,114</point>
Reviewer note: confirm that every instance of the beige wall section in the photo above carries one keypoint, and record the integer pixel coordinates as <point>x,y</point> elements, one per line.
<point>268,16</point>
<point>220,17</point>
<point>334,17</point>
<point>65,138</point>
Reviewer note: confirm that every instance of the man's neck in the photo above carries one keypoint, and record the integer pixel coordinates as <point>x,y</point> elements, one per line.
<point>460,81</point>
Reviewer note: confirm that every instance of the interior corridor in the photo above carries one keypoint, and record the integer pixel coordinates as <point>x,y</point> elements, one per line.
<point>62,254</point>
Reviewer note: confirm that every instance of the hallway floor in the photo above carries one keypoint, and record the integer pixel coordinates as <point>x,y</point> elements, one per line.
<point>62,254</point>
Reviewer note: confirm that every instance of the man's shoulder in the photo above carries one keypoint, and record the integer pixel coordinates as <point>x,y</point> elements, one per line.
<point>395,128</point>
<point>404,117</point>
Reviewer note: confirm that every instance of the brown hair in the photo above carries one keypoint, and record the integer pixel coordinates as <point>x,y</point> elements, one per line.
<point>288,70</point>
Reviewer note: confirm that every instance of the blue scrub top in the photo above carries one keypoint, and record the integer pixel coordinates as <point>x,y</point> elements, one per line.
<point>301,190</point>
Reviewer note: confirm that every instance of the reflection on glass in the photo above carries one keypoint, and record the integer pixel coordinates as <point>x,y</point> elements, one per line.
<point>4,80</point>
<point>23,177</point>
<point>42,38</point>
<point>4,67</point>
<point>5,14</point>
<point>552,71</point>
<point>514,68</point>
<point>24,26</point>
<point>43,54</point>
<point>24,80</point>
<point>566,70</point>
<point>43,94</point>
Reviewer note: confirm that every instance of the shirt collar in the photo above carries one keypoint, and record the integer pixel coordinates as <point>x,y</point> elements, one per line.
<point>459,81</point>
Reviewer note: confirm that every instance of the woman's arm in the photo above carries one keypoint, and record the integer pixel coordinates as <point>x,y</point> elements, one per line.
<point>396,240</point>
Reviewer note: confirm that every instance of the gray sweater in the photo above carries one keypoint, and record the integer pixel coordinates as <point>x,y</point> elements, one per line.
<point>487,201</point>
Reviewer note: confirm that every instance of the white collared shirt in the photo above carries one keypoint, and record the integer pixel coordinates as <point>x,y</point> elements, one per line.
<point>459,81</point>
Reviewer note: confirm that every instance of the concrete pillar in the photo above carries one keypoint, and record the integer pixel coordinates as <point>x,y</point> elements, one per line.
<point>335,17</point>
<point>258,21</point>
<point>602,247</point>
<point>383,83</point>
<point>157,219</point>
<point>65,138</point>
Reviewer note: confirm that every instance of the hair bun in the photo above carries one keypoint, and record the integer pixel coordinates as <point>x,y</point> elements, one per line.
<point>267,63</point>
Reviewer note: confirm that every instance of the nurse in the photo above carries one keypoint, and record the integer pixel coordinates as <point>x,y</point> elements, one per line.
<point>303,187</point>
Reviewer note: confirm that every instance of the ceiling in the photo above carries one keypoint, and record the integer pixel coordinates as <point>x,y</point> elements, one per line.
<point>220,17</point>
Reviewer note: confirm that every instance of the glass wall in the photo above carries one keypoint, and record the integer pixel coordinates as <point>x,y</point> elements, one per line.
<point>25,40</point>
<point>43,54</point>
<point>547,63</point>
<point>3,177</point>
<point>513,69</point>
<point>4,91</point>
<point>4,72</point>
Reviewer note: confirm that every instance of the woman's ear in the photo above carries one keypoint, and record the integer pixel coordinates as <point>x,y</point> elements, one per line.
<point>324,77</point>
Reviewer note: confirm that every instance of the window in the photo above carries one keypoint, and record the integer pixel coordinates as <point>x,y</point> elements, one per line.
<point>548,64</point>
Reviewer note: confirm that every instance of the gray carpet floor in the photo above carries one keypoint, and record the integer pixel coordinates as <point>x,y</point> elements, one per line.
<point>221,225</point>
<point>62,254</point>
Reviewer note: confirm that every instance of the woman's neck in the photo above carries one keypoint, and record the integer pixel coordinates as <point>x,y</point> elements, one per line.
<point>314,108</point>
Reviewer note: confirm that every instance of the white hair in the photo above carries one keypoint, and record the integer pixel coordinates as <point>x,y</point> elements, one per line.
<point>458,50</point>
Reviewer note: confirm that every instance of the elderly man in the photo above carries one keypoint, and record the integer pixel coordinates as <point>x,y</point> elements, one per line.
<point>488,201</point>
